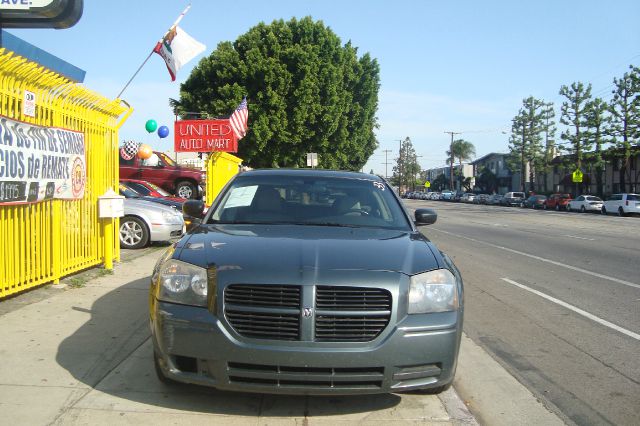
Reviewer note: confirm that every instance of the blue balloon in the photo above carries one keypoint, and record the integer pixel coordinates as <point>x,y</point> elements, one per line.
<point>163,131</point>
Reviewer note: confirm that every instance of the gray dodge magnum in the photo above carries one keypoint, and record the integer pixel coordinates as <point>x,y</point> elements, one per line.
<point>307,282</point>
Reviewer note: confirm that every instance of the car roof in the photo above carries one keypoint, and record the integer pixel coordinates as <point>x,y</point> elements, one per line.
<point>319,173</point>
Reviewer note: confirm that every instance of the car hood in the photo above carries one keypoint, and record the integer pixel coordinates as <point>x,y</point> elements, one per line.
<point>257,248</point>
<point>133,205</point>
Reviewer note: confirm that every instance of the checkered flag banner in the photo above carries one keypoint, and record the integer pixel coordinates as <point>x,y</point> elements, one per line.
<point>129,150</point>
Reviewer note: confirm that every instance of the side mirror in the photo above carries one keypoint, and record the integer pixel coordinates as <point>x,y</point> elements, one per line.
<point>193,208</point>
<point>425,217</point>
<point>192,212</point>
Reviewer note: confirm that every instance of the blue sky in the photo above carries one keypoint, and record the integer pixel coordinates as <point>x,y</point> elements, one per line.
<point>460,66</point>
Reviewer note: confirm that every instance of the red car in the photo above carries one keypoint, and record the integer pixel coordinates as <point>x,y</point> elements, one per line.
<point>149,189</point>
<point>164,172</point>
<point>557,201</point>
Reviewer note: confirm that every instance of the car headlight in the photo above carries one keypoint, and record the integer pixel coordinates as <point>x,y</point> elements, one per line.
<point>433,291</point>
<point>181,282</point>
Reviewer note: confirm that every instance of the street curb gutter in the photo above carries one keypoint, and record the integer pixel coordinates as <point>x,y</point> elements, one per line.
<point>493,395</point>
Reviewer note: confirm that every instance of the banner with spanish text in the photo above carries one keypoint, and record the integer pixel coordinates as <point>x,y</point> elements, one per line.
<point>39,163</point>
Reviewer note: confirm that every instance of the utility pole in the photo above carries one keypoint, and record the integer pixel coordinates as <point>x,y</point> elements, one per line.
<point>386,162</point>
<point>399,165</point>
<point>451,159</point>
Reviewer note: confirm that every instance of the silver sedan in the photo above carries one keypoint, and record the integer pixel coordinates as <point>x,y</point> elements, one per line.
<point>145,221</point>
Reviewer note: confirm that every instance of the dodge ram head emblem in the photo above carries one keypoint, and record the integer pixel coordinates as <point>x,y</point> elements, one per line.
<point>307,312</point>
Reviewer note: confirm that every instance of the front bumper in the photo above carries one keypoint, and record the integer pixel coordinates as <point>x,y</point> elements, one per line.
<point>194,346</point>
<point>167,231</point>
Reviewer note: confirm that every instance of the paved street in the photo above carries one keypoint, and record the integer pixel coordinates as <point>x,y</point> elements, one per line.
<point>555,298</point>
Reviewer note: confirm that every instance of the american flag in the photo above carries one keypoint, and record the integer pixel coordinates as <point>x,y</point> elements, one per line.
<point>239,119</point>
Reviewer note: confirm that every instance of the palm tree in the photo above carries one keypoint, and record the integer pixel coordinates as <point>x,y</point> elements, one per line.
<point>462,150</point>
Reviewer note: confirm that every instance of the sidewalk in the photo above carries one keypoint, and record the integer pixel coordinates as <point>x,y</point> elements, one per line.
<point>82,355</point>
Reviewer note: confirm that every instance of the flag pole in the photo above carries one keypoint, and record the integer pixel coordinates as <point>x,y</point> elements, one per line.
<point>154,49</point>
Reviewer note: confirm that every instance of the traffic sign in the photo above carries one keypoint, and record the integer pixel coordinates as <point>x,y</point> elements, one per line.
<point>427,184</point>
<point>576,176</point>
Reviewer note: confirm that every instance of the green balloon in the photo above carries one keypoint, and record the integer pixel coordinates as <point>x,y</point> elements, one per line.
<point>151,126</point>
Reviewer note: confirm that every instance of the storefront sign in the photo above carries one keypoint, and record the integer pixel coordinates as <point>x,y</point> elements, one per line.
<point>40,13</point>
<point>39,163</point>
<point>204,136</point>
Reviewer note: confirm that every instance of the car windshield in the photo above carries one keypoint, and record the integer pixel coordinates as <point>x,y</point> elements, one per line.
<point>321,201</point>
<point>158,189</point>
<point>167,160</point>
<point>128,192</point>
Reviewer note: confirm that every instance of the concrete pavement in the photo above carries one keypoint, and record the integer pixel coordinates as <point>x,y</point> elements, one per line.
<point>82,355</point>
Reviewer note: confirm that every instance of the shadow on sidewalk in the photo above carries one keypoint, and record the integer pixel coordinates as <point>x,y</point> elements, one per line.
<point>112,353</point>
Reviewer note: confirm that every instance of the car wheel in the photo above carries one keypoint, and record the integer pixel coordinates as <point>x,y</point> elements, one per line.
<point>557,207</point>
<point>156,364</point>
<point>582,209</point>
<point>603,211</point>
<point>185,189</point>
<point>133,233</point>
<point>621,212</point>
<point>544,207</point>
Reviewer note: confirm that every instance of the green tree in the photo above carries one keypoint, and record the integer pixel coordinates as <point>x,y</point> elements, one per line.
<point>487,181</point>
<point>407,166</point>
<point>574,114</point>
<point>598,121</point>
<point>525,142</point>
<point>439,183</point>
<point>306,93</point>
<point>461,150</point>
<point>549,130</point>
<point>625,124</point>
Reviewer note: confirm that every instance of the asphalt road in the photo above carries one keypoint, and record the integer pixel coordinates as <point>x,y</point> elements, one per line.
<point>555,298</point>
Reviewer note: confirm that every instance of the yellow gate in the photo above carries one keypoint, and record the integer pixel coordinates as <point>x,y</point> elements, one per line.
<point>221,167</point>
<point>44,241</point>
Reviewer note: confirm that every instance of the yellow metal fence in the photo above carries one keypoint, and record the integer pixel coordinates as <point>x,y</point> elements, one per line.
<point>221,167</point>
<point>44,241</point>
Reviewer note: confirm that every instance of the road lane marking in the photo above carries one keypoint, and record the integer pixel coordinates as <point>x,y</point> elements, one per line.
<point>576,310</point>
<point>542,259</point>
<point>579,238</point>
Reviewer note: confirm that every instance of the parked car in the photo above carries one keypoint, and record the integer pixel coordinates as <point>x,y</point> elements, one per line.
<point>447,195</point>
<point>535,202</point>
<point>148,189</point>
<point>127,192</point>
<point>557,201</point>
<point>622,204</point>
<point>161,170</point>
<point>513,199</point>
<point>495,199</point>
<point>467,197</point>
<point>145,221</point>
<point>481,199</point>
<point>298,281</point>
<point>585,203</point>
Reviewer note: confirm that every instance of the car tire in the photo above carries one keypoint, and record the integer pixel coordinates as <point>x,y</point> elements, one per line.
<point>603,211</point>
<point>186,190</point>
<point>557,207</point>
<point>582,209</point>
<point>544,207</point>
<point>621,212</point>
<point>134,233</point>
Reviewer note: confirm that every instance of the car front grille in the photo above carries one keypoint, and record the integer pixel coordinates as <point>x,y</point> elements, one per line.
<point>341,314</point>
<point>351,314</point>
<point>305,377</point>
